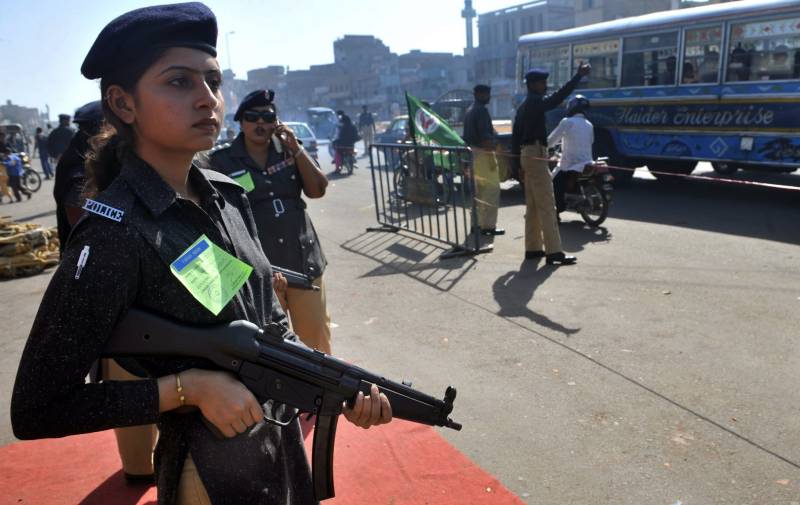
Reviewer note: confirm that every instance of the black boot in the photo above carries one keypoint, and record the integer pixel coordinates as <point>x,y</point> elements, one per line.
<point>560,258</point>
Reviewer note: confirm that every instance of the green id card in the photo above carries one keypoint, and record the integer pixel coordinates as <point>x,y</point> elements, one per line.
<point>246,181</point>
<point>211,274</point>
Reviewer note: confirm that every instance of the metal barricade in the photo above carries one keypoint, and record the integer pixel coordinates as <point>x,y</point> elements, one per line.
<point>427,191</point>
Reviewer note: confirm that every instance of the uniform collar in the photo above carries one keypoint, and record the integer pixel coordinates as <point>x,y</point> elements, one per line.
<point>154,192</point>
<point>238,149</point>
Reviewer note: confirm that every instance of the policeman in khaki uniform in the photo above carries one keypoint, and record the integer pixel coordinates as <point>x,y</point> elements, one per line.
<point>529,142</point>
<point>270,163</point>
<point>479,134</point>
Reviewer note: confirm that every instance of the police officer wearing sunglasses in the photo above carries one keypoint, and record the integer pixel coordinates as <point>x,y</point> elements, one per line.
<point>268,160</point>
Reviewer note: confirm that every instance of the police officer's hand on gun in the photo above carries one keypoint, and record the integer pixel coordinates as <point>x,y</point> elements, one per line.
<point>227,404</point>
<point>369,410</point>
<point>280,285</point>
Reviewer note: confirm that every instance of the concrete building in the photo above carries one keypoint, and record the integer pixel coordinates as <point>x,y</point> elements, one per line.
<point>498,33</point>
<point>28,117</point>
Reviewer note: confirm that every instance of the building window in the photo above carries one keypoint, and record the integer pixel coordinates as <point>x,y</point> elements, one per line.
<point>588,4</point>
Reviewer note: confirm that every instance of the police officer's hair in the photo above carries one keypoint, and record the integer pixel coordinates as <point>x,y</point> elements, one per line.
<point>114,143</point>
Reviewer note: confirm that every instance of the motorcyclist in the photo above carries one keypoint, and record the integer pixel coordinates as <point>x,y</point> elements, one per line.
<point>345,141</point>
<point>575,133</point>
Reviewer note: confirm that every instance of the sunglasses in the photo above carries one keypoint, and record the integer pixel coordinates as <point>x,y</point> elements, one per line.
<point>252,116</point>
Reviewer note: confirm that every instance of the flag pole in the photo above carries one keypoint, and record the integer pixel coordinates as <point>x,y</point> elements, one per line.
<point>411,123</point>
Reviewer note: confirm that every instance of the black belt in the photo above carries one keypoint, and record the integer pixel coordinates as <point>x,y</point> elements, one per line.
<point>281,205</point>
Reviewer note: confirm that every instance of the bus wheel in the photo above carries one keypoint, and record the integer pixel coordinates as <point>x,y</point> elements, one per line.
<point>663,169</point>
<point>725,168</point>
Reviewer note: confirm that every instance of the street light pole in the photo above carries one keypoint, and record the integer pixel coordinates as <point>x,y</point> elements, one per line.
<point>228,49</point>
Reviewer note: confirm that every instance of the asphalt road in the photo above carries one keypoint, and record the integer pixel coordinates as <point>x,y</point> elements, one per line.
<point>664,367</point>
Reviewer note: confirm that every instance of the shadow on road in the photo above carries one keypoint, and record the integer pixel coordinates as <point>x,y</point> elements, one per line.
<point>409,256</point>
<point>514,291</point>
<point>115,490</point>
<point>707,205</point>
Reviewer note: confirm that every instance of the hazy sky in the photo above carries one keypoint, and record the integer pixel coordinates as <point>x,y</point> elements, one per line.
<point>43,42</point>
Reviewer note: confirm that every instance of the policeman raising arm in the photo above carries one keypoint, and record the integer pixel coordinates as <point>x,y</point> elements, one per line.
<point>272,166</point>
<point>529,142</point>
<point>159,231</point>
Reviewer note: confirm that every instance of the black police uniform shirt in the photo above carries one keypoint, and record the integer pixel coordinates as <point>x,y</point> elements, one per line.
<point>128,265</point>
<point>478,125</point>
<point>529,123</point>
<point>284,227</point>
<point>58,140</point>
<point>69,183</point>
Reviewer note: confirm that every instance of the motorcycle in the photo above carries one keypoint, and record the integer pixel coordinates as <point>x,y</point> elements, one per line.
<point>31,180</point>
<point>347,159</point>
<point>592,194</point>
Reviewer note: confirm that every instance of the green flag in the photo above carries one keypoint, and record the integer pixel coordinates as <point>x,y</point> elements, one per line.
<point>428,128</point>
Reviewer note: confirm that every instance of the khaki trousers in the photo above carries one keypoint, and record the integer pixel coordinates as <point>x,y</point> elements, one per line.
<point>541,219</point>
<point>135,443</point>
<point>191,490</point>
<point>487,187</point>
<point>4,188</point>
<point>308,313</point>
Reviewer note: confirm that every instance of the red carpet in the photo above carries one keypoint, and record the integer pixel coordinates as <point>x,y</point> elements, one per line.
<point>397,464</point>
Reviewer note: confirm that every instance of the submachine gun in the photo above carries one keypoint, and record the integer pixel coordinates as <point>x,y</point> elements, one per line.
<point>296,279</point>
<point>283,371</point>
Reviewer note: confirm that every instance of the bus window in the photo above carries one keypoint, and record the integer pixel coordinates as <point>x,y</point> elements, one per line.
<point>555,60</point>
<point>650,60</point>
<point>701,55</point>
<point>764,50</point>
<point>604,58</point>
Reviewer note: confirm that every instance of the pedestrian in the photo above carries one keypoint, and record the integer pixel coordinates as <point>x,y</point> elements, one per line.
<point>161,89</point>
<point>575,133</point>
<point>15,170</point>
<point>529,145</point>
<point>59,138</point>
<point>17,142</point>
<point>479,134</point>
<point>345,141</point>
<point>4,191</point>
<point>276,171</point>
<point>366,125</point>
<point>70,172</point>
<point>40,145</point>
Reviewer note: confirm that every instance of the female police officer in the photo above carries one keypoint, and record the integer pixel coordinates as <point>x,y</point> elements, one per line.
<point>270,163</point>
<point>161,99</point>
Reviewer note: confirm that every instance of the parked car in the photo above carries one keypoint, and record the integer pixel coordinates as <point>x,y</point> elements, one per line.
<point>323,122</point>
<point>395,133</point>
<point>306,135</point>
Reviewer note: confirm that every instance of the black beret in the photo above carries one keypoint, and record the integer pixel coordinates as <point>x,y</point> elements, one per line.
<point>161,26</point>
<point>536,74</point>
<point>64,116</point>
<point>482,88</point>
<point>257,98</point>
<point>91,112</point>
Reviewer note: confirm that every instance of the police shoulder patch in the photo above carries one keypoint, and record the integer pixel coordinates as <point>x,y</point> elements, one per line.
<point>103,210</point>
